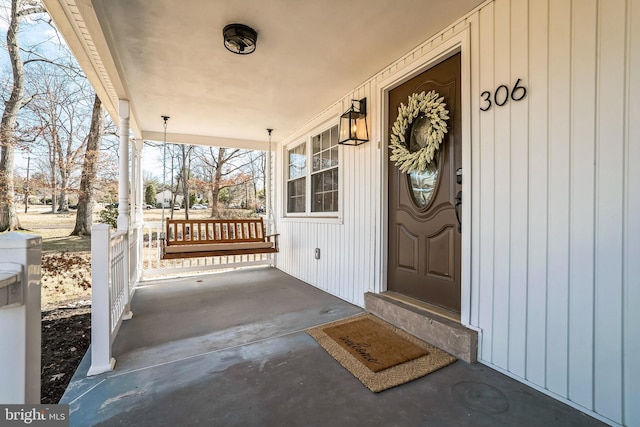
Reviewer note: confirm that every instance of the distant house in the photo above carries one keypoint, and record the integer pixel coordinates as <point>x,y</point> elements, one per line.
<point>166,197</point>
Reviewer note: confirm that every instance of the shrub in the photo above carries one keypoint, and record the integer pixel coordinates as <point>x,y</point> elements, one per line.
<point>109,215</point>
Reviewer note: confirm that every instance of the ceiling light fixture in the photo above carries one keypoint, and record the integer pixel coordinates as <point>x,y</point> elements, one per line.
<point>239,38</point>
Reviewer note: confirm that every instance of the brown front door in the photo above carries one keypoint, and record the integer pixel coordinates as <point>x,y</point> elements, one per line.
<point>424,237</point>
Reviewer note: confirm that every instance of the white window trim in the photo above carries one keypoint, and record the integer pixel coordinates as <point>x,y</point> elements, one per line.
<point>308,215</point>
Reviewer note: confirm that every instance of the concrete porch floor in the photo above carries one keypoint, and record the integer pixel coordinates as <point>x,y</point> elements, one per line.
<point>230,349</point>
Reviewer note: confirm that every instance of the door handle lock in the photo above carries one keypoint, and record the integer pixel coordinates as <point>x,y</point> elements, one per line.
<point>457,209</point>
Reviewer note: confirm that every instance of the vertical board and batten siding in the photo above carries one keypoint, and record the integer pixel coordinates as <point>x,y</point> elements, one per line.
<point>631,225</point>
<point>348,246</point>
<point>555,199</point>
<point>555,272</point>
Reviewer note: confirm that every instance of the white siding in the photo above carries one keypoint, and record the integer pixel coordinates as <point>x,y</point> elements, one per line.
<point>557,201</point>
<point>631,225</point>
<point>348,247</point>
<point>555,194</point>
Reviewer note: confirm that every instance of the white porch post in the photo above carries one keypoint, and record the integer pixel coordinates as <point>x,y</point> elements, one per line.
<point>123,186</point>
<point>123,192</point>
<point>101,360</point>
<point>137,193</point>
<point>268,188</point>
<point>138,185</point>
<point>20,318</point>
<point>267,195</point>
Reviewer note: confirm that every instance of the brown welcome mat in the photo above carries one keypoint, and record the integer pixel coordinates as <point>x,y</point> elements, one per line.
<point>377,353</point>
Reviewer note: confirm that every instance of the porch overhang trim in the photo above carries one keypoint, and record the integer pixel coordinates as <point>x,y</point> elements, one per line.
<point>213,141</point>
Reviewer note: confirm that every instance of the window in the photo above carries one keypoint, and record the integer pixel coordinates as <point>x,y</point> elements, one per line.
<point>319,178</point>
<point>296,184</point>
<point>324,176</point>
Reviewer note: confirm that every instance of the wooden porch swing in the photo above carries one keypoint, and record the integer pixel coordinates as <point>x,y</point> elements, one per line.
<point>216,237</point>
<point>185,238</point>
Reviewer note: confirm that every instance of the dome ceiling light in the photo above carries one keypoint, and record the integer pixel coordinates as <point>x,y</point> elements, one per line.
<point>240,39</point>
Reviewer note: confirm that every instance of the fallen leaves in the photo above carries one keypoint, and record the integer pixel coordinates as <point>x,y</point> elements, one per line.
<point>60,267</point>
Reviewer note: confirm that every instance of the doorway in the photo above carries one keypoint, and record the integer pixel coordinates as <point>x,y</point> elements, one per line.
<point>424,244</point>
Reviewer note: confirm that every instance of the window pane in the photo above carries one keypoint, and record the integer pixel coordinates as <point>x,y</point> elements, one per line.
<point>316,145</point>
<point>317,203</point>
<point>296,195</point>
<point>297,161</point>
<point>326,139</point>
<point>325,191</point>
<point>316,183</point>
<point>317,164</point>
<point>334,156</point>
<point>326,159</point>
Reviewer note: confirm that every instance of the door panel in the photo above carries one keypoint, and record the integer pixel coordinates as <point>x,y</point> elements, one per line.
<point>407,250</point>
<point>424,240</point>
<point>441,254</point>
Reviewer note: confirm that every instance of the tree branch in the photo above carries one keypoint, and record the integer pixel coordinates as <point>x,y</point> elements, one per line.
<point>31,10</point>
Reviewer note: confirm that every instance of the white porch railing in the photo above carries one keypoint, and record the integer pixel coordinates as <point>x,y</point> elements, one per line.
<point>154,265</point>
<point>110,293</point>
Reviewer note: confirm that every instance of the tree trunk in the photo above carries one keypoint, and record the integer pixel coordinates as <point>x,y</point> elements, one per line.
<point>185,182</point>
<point>215,187</point>
<point>84,217</point>
<point>54,169</point>
<point>63,203</point>
<point>9,220</point>
<point>215,193</point>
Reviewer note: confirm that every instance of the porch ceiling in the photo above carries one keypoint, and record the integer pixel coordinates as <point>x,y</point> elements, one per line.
<point>167,58</point>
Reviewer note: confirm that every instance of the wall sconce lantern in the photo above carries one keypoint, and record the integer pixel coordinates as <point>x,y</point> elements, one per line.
<point>353,124</point>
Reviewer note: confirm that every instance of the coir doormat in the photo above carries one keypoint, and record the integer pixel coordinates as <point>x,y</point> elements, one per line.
<point>380,355</point>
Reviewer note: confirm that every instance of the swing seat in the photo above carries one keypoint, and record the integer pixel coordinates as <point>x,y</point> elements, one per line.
<point>197,238</point>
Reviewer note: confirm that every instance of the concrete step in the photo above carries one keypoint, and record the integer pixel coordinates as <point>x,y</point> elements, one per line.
<point>436,329</point>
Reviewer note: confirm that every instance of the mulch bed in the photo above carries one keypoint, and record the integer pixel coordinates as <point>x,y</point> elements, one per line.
<point>66,335</point>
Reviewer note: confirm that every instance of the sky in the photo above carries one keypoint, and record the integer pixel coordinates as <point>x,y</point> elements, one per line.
<point>49,43</point>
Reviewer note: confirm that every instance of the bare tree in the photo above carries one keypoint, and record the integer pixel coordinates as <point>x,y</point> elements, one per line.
<point>256,169</point>
<point>8,213</point>
<point>63,110</point>
<point>221,168</point>
<point>89,172</point>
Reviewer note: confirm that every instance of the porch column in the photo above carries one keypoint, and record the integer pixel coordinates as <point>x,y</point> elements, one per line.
<point>268,189</point>
<point>137,183</point>
<point>123,197</point>
<point>137,193</point>
<point>123,186</point>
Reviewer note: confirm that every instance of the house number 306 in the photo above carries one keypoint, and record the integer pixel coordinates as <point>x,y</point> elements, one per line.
<point>502,94</point>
